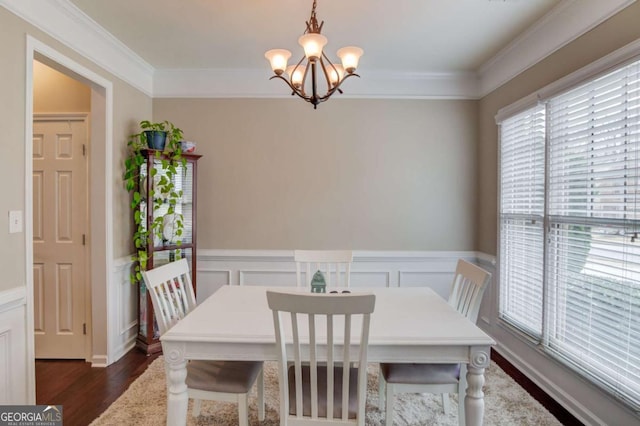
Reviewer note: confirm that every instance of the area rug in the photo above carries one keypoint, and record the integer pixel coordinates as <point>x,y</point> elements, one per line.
<point>506,403</point>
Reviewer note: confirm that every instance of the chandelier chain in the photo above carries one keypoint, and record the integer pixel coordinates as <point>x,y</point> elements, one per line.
<point>312,24</point>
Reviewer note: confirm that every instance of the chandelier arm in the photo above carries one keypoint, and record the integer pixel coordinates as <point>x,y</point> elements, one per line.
<point>304,76</point>
<point>293,88</point>
<point>337,87</point>
<point>311,99</point>
<point>324,69</point>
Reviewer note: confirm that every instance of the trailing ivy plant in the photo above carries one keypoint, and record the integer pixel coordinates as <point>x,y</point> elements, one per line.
<point>162,192</point>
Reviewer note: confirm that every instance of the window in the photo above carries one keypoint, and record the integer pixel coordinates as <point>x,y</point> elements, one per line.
<point>569,227</point>
<point>522,219</point>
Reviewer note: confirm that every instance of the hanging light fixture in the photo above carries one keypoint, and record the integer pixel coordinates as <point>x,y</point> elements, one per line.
<point>296,75</point>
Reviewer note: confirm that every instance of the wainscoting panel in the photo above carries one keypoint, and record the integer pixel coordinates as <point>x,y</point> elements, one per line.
<point>215,280</point>
<point>123,335</point>
<point>5,364</point>
<point>268,278</point>
<point>440,282</point>
<point>369,269</point>
<point>13,347</point>
<point>370,279</point>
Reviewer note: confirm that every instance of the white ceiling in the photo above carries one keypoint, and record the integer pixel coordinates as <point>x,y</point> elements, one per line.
<point>407,35</point>
<point>425,49</point>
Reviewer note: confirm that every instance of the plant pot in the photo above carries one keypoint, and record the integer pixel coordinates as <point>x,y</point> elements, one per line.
<point>156,139</point>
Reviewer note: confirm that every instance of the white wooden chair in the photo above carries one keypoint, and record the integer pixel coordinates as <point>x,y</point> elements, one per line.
<point>172,296</point>
<point>465,296</point>
<point>315,332</point>
<point>333,264</point>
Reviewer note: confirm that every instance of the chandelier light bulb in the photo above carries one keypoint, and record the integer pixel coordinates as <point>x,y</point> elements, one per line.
<point>335,75</point>
<point>278,59</point>
<point>313,43</point>
<point>350,56</point>
<point>296,74</point>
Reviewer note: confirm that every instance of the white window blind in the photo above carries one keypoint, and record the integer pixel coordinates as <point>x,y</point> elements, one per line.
<point>579,294</point>
<point>593,263</point>
<point>522,173</point>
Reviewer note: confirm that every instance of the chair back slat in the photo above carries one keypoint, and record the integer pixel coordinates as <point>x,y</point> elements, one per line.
<point>313,362</point>
<point>330,366</point>
<point>468,286</point>
<point>171,292</point>
<point>362,372</point>
<point>297,363</point>
<point>346,359</point>
<point>313,352</point>
<point>335,264</point>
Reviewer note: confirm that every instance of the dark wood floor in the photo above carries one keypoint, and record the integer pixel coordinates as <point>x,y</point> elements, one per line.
<point>85,392</point>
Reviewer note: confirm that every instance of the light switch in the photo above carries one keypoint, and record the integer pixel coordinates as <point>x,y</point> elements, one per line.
<point>15,221</point>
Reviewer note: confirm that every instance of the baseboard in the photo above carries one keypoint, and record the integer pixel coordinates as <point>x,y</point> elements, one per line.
<point>122,350</point>
<point>547,401</point>
<point>574,407</point>
<point>99,361</point>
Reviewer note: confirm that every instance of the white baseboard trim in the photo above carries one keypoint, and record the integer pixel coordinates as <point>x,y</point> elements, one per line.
<point>121,350</point>
<point>578,410</point>
<point>99,361</point>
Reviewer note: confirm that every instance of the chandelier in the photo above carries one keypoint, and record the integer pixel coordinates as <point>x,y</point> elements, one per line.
<point>314,59</point>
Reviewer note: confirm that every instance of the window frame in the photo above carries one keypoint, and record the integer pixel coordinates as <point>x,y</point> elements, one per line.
<point>608,64</point>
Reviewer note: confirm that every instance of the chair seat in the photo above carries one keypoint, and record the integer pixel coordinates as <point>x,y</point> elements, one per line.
<point>322,391</point>
<point>418,374</point>
<point>222,376</point>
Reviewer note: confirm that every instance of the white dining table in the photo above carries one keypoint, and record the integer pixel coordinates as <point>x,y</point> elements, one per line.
<point>408,325</point>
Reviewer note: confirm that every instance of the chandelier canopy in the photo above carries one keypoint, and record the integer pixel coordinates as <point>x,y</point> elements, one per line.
<point>314,57</point>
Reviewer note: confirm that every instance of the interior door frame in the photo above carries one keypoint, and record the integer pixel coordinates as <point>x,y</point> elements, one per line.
<point>100,199</point>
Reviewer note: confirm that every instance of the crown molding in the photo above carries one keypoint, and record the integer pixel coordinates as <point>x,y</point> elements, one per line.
<point>242,83</point>
<point>567,21</point>
<point>63,21</point>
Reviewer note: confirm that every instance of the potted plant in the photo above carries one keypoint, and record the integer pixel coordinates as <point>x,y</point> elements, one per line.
<point>155,135</point>
<point>154,189</point>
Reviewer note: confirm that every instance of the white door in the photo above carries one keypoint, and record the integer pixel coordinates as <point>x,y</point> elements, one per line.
<point>59,236</point>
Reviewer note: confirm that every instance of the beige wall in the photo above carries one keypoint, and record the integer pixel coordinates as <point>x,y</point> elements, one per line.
<point>54,92</point>
<point>614,33</point>
<point>130,106</point>
<point>12,88</point>
<point>353,174</point>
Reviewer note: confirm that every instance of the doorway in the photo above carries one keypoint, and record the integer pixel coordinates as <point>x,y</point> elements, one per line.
<point>99,299</point>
